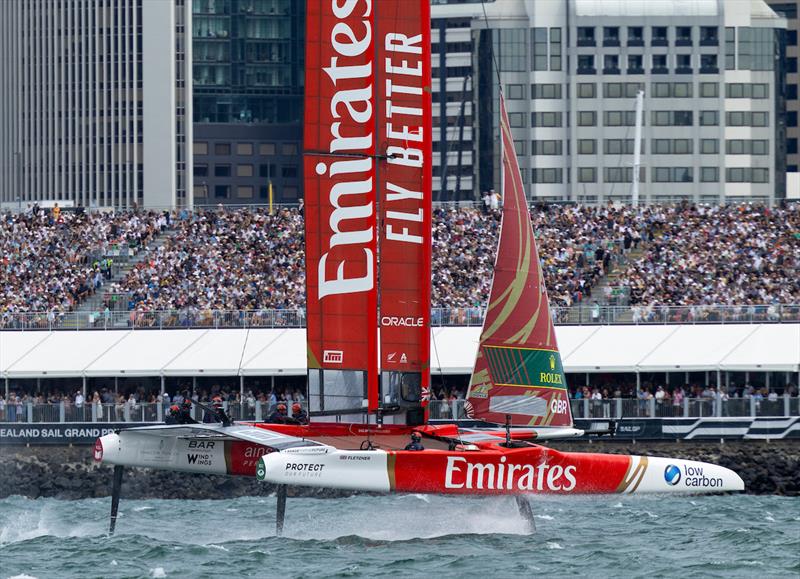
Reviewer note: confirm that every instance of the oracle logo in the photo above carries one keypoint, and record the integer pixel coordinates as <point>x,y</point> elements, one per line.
<point>463,474</point>
<point>407,322</point>
<point>351,110</point>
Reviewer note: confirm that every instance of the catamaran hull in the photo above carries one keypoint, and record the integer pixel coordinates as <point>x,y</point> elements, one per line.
<point>502,472</point>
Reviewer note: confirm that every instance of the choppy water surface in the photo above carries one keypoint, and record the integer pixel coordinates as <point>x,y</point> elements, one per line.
<point>407,535</point>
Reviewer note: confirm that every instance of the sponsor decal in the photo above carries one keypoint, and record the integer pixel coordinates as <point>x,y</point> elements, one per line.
<point>98,450</point>
<point>693,476</point>
<point>672,475</point>
<point>558,406</point>
<point>202,444</point>
<point>552,363</point>
<point>464,474</point>
<point>303,470</point>
<point>407,322</point>
<point>390,357</point>
<point>354,457</point>
<point>481,390</point>
<point>200,459</point>
<point>261,471</point>
<point>333,356</point>
<point>403,359</point>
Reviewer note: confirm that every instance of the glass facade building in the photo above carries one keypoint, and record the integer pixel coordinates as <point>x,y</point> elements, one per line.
<point>248,77</point>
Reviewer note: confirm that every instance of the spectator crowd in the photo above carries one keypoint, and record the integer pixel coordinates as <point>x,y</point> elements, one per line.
<point>247,259</point>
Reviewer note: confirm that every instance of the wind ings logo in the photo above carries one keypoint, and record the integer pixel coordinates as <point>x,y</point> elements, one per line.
<point>672,475</point>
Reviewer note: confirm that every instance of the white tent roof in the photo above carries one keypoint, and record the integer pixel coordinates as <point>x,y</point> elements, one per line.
<point>775,348</point>
<point>265,352</point>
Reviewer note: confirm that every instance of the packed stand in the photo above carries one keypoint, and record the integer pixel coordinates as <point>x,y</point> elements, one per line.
<point>702,255</point>
<point>50,260</point>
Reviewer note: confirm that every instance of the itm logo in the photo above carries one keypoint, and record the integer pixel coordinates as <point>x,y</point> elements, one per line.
<point>672,475</point>
<point>552,363</point>
<point>332,356</point>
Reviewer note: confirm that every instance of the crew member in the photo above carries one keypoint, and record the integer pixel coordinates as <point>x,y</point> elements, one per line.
<point>280,415</point>
<point>185,416</point>
<point>173,415</point>
<point>218,414</point>
<point>298,414</point>
<point>416,442</point>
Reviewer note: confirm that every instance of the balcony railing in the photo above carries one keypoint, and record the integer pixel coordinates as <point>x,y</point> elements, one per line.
<point>259,411</point>
<point>575,315</point>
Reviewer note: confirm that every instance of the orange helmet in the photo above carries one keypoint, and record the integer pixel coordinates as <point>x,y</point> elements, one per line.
<point>281,407</point>
<point>296,407</point>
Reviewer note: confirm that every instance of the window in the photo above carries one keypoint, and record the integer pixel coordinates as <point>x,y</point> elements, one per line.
<point>244,192</point>
<point>709,90</point>
<point>515,91</point>
<point>635,64</point>
<point>635,36</point>
<point>747,147</point>
<point>539,48</point>
<point>683,36</point>
<point>683,62</point>
<point>586,36</point>
<point>738,90</point>
<point>546,148</point>
<point>673,175</point>
<point>659,89</point>
<point>611,63</point>
<point>791,118</point>
<point>681,90</point>
<point>519,147</point>
<point>222,191</point>
<point>587,146</point>
<point>659,36</point>
<point>709,118</point>
<point>621,174</point>
<point>747,119</point>
<point>545,91</point>
<point>756,48</point>
<point>222,149</point>
<point>791,37</point>
<point>708,36</point>
<point>672,118</point>
<point>516,119</point>
<point>632,89</point>
<point>244,148</point>
<point>791,92</point>
<point>619,118</point>
<point>545,119</point>
<point>548,175</point>
<point>222,170</point>
<point>791,148</point>
<point>555,49</point>
<point>672,147</point>
<point>709,174</point>
<point>587,175</point>
<point>709,146</point>
<point>200,148</point>
<point>746,175</point>
<point>201,170</point>
<point>266,149</point>
<point>289,171</point>
<point>730,48</point>
<point>587,118</point>
<point>612,90</point>
<point>619,146</point>
<point>511,46</point>
<point>587,90</point>
<point>244,170</point>
<point>288,149</point>
<point>659,62</point>
<point>708,63</point>
<point>610,36</point>
<point>791,64</point>
<point>267,171</point>
<point>682,146</point>
<point>586,64</point>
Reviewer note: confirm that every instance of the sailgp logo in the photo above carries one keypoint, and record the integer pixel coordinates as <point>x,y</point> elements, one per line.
<point>672,475</point>
<point>332,357</point>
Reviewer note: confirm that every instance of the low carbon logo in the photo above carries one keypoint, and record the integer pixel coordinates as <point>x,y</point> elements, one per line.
<point>672,475</point>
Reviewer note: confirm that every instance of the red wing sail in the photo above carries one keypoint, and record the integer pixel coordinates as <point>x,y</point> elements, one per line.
<point>340,205</point>
<point>403,97</point>
<point>518,368</point>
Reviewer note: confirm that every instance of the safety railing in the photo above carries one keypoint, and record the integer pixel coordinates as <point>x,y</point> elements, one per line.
<point>440,317</point>
<point>259,411</point>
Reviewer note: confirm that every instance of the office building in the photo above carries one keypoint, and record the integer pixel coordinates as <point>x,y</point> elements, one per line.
<point>95,106</point>
<point>248,77</point>
<point>789,11</point>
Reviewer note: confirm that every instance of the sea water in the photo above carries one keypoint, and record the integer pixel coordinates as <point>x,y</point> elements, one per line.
<point>404,536</point>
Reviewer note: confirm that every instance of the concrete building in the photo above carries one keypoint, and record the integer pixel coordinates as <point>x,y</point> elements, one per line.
<point>248,100</point>
<point>712,75</point>
<point>94,103</point>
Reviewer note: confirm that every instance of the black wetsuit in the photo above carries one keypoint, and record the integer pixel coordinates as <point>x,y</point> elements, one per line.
<point>301,417</point>
<point>278,418</point>
<point>414,446</point>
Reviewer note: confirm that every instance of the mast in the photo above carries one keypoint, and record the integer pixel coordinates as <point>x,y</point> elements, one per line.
<point>637,147</point>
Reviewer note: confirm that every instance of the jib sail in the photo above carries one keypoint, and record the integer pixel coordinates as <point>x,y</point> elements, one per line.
<point>518,371</point>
